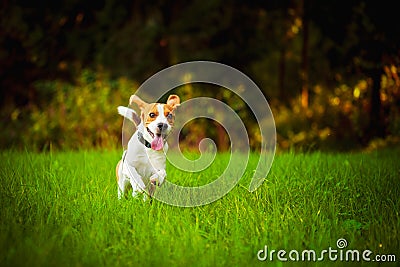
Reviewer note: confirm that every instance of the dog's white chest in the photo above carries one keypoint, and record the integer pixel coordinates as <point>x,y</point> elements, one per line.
<point>145,160</point>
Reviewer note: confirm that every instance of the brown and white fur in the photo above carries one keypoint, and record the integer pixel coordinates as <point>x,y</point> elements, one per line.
<point>143,163</point>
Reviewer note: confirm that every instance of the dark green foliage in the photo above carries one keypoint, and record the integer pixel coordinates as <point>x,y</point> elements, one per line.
<point>76,116</point>
<point>48,47</point>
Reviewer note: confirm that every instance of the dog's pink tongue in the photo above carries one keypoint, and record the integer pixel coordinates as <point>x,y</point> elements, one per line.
<point>157,143</point>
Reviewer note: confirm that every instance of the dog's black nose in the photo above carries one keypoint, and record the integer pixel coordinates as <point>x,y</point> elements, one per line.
<point>162,126</point>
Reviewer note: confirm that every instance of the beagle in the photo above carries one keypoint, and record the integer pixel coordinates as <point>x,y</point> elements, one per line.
<point>143,163</point>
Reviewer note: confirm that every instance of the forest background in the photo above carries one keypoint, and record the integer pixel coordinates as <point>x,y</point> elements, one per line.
<point>329,69</point>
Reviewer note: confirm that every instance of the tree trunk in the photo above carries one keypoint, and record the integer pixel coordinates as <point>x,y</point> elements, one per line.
<point>304,57</point>
<point>281,74</point>
<point>375,127</point>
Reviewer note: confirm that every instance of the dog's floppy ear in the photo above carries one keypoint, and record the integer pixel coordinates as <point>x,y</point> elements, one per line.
<point>173,101</point>
<point>138,101</point>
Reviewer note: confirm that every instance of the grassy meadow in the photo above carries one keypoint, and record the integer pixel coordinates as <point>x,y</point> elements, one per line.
<point>61,209</point>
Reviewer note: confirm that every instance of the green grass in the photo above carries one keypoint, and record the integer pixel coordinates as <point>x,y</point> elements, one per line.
<point>61,209</point>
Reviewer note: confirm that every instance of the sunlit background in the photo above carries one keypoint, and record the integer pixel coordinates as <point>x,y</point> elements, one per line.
<point>329,69</point>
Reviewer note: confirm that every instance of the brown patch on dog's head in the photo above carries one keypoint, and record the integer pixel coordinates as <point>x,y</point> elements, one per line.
<point>149,112</point>
<point>169,108</point>
<point>173,101</point>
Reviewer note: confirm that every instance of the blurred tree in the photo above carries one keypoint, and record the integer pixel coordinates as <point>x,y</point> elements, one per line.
<point>304,10</point>
<point>364,39</point>
<point>36,45</point>
<point>288,47</point>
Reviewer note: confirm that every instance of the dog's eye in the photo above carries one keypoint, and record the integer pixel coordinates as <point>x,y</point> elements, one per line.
<point>152,115</point>
<point>169,116</point>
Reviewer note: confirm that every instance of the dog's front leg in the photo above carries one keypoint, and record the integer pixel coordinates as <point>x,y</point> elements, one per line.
<point>156,179</point>
<point>135,179</point>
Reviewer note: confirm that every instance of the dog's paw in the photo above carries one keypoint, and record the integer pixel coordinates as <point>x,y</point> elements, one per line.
<point>158,178</point>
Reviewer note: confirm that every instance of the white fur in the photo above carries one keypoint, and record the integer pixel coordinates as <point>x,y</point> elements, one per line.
<point>127,113</point>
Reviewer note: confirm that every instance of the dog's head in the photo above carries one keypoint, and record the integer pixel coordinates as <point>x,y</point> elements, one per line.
<point>157,118</point>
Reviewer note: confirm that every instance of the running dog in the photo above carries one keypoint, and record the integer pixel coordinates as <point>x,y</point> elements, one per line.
<point>143,163</point>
